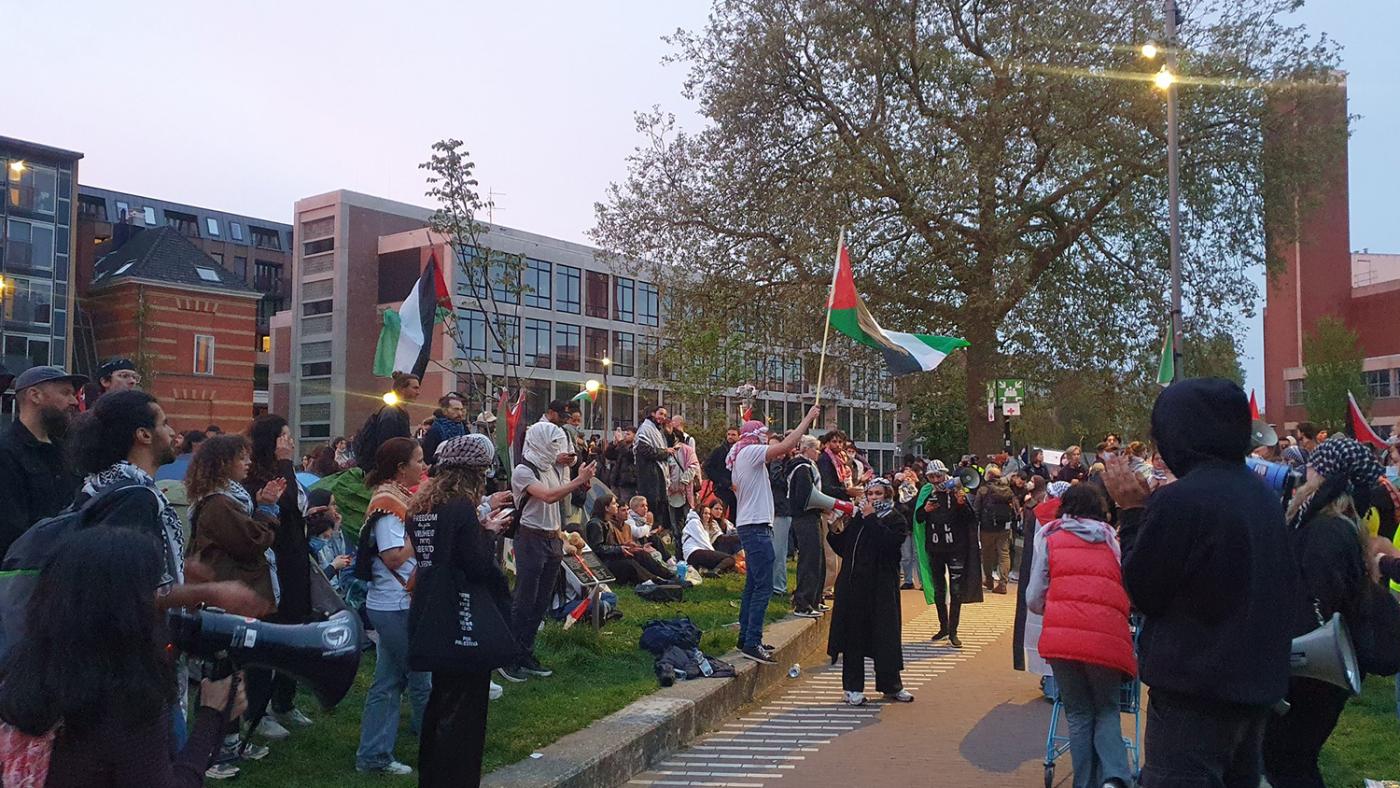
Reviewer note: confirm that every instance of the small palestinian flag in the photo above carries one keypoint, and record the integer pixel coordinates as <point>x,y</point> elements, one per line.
<point>1254,407</point>
<point>406,340</point>
<point>904,353</point>
<point>1357,426</point>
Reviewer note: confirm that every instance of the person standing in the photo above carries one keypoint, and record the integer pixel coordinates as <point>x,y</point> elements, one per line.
<point>719,474</point>
<point>35,474</point>
<point>748,464</point>
<point>906,491</point>
<point>622,463</point>
<point>945,529</point>
<point>1077,585</point>
<point>838,480</point>
<point>384,542</point>
<point>390,421</point>
<point>803,478</point>
<point>782,520</point>
<point>865,620</point>
<point>448,535</point>
<point>1072,466</point>
<point>449,422</point>
<point>1207,561</point>
<point>538,484</point>
<point>996,513</point>
<point>653,449</point>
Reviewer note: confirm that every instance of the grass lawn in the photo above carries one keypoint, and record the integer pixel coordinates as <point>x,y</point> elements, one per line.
<point>595,674</point>
<point>1365,743</point>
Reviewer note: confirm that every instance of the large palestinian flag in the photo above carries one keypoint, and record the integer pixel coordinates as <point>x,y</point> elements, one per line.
<point>904,353</point>
<point>406,340</point>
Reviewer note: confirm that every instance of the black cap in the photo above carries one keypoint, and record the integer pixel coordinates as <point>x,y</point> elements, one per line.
<point>36,375</point>
<point>112,365</point>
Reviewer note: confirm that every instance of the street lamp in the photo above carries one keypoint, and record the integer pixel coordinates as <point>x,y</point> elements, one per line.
<point>1150,51</point>
<point>607,394</point>
<point>591,386</point>
<point>1166,80</point>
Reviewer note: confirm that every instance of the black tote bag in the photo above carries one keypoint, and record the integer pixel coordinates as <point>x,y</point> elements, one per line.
<point>454,623</point>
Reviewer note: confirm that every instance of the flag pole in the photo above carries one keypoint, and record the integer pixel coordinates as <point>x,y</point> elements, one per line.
<point>826,332</point>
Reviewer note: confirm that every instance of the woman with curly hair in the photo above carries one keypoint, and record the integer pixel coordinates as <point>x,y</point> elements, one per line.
<point>448,534</point>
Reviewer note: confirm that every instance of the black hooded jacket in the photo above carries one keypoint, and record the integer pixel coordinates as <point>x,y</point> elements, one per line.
<point>1208,561</point>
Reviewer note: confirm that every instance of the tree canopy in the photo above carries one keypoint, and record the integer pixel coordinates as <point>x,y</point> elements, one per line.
<point>999,168</point>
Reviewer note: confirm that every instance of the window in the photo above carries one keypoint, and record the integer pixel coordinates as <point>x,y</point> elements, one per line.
<point>597,294</point>
<point>218,258</point>
<point>315,351</point>
<point>29,245</point>
<point>623,289</point>
<point>318,246</point>
<point>648,357</point>
<point>35,349</point>
<point>267,307</point>
<point>317,307</point>
<point>240,267</point>
<point>1295,391</point>
<point>28,302</point>
<point>265,343</point>
<point>33,188</point>
<point>501,273</point>
<point>648,304</point>
<point>185,223</point>
<point>1378,383</point>
<point>471,333</point>
<point>318,228</point>
<point>624,357</point>
<point>92,207</point>
<point>538,343</point>
<point>267,239</point>
<point>207,274</point>
<point>123,211</point>
<point>566,296</point>
<point>320,369</point>
<point>211,225</point>
<point>538,277</point>
<point>566,347</point>
<point>267,276</point>
<point>595,348</point>
<point>235,230</point>
<point>203,354</point>
<point>505,346</point>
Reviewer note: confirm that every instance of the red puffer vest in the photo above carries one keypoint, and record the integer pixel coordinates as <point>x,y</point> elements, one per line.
<point>1086,608</point>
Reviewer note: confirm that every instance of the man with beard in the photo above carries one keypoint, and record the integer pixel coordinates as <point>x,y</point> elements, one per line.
<point>449,422</point>
<point>652,449</point>
<point>34,474</point>
<point>719,475</point>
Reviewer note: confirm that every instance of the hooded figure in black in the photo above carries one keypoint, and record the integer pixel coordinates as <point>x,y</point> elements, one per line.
<point>1207,562</point>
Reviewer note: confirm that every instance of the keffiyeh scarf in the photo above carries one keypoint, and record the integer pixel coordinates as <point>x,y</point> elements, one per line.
<point>751,434</point>
<point>172,534</point>
<point>1349,467</point>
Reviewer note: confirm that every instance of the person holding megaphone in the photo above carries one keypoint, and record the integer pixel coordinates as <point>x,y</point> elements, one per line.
<point>945,536</point>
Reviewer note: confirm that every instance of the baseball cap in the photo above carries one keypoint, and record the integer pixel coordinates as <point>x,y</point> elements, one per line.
<point>36,375</point>
<point>112,365</point>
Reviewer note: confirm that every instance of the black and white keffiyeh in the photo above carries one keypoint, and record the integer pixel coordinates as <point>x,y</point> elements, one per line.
<point>1349,468</point>
<point>172,535</point>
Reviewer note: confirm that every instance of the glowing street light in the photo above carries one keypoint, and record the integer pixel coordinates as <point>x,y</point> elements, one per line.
<point>591,386</point>
<point>1164,79</point>
<point>607,362</point>
<point>1150,51</point>
<point>17,167</point>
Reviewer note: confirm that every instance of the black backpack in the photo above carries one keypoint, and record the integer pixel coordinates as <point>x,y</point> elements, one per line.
<point>366,441</point>
<point>27,556</point>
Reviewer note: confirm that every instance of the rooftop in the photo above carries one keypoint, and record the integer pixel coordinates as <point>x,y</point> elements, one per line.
<point>164,255</point>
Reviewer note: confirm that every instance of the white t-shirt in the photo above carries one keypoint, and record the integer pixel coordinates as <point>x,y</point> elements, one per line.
<point>536,513</point>
<point>386,593</point>
<point>695,537</point>
<point>751,485</point>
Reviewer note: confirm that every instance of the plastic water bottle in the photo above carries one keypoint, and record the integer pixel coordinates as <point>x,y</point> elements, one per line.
<point>681,568</point>
<point>794,671</point>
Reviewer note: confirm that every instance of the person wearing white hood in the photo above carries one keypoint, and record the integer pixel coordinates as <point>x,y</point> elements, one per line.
<point>539,485</point>
<point>699,551</point>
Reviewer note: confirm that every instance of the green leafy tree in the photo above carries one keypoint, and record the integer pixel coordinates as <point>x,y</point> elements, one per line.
<point>1000,169</point>
<point>1213,356</point>
<point>1333,362</point>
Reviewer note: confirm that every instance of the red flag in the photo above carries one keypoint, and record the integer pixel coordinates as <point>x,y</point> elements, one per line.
<point>1358,428</point>
<point>1253,406</point>
<point>513,417</point>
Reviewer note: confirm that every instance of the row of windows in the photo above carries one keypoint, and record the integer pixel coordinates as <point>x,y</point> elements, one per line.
<point>29,245</point>
<point>30,187</point>
<point>94,207</point>
<point>1379,384</point>
<point>546,285</point>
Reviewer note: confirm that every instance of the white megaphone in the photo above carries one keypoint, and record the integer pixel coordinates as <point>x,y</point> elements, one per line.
<point>1327,654</point>
<point>820,500</point>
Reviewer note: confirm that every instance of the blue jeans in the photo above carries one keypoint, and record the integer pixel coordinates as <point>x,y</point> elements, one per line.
<point>782,528</point>
<point>758,583</point>
<point>1090,694</point>
<point>379,727</point>
<point>909,560</point>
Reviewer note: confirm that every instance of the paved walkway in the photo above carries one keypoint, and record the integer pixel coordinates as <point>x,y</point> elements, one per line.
<point>974,722</point>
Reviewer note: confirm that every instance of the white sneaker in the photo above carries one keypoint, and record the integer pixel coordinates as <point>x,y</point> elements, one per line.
<point>855,698</point>
<point>295,718</point>
<point>496,691</point>
<point>902,696</point>
<point>392,767</point>
<point>268,728</point>
<point>221,771</point>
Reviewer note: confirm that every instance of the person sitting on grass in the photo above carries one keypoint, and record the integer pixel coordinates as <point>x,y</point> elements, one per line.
<point>644,530</point>
<point>610,537</point>
<point>721,531</point>
<point>699,552</point>
<point>865,620</point>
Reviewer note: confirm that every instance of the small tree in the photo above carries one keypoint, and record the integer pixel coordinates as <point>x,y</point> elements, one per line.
<point>1332,358</point>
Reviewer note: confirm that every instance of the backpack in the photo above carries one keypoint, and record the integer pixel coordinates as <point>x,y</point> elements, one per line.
<point>366,440</point>
<point>659,635</point>
<point>27,556</point>
<point>363,568</point>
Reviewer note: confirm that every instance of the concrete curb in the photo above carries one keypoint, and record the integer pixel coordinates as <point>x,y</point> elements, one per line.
<point>633,739</point>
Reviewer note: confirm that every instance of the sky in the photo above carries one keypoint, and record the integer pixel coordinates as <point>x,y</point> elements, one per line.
<point>247,107</point>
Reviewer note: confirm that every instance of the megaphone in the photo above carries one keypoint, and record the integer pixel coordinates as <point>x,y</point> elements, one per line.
<point>820,500</point>
<point>1277,475</point>
<point>1261,434</point>
<point>1327,654</point>
<point>969,478</point>
<point>325,655</point>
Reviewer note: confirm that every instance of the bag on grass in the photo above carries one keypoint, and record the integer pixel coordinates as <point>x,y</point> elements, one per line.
<point>659,635</point>
<point>660,592</point>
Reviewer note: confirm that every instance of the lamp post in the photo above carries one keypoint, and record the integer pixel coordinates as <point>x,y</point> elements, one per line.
<point>591,386</point>
<point>607,394</point>
<point>1166,80</point>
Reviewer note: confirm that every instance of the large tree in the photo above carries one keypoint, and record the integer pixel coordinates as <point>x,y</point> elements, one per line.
<point>999,168</point>
<point>1333,359</point>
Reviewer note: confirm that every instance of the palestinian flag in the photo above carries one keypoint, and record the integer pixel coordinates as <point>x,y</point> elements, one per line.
<point>406,340</point>
<point>1357,426</point>
<point>904,353</point>
<point>507,425</point>
<point>1166,365</point>
<point>1254,407</point>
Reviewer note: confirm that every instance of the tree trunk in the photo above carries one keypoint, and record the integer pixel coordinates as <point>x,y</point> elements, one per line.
<point>983,437</point>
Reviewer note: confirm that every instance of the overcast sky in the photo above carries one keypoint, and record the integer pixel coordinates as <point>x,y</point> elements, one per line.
<point>248,106</point>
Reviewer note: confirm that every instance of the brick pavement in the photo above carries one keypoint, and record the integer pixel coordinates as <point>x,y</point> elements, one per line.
<point>975,721</point>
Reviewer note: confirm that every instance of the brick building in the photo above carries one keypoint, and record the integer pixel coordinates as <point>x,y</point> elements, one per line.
<point>1322,276</point>
<point>187,323</point>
